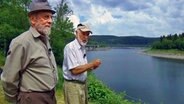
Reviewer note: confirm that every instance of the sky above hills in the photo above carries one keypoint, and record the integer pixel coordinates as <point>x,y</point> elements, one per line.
<point>148,18</point>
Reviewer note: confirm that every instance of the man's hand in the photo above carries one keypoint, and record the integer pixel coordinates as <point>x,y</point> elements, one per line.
<point>96,63</point>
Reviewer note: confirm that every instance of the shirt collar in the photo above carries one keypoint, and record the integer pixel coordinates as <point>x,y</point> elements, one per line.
<point>34,32</point>
<point>77,44</point>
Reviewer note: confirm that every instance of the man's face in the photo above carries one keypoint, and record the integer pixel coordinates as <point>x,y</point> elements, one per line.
<point>42,22</point>
<point>84,36</point>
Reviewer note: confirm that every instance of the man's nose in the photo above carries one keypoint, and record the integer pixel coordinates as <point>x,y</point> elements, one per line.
<point>86,37</point>
<point>50,20</point>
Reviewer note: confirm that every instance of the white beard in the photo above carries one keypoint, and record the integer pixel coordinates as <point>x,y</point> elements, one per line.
<point>83,44</point>
<point>46,31</point>
<point>80,41</point>
<point>43,30</point>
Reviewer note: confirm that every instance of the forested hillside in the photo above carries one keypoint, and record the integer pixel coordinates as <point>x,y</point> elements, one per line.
<point>116,41</point>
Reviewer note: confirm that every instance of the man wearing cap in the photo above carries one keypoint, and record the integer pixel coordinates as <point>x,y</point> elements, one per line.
<point>30,73</point>
<point>75,67</point>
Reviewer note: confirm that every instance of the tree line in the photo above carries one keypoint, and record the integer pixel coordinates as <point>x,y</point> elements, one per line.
<point>14,21</point>
<point>121,41</point>
<point>175,41</point>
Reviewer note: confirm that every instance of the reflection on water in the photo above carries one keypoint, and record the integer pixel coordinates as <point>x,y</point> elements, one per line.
<point>153,80</point>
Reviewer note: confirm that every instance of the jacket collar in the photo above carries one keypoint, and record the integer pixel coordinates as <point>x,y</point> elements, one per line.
<point>35,33</point>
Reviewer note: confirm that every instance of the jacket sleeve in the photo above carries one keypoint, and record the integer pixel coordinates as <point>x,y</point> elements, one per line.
<point>11,73</point>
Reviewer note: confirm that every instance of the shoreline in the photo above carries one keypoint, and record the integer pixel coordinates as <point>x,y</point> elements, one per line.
<point>164,55</point>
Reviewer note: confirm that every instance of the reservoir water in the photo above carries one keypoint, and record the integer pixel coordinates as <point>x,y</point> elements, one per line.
<point>153,80</point>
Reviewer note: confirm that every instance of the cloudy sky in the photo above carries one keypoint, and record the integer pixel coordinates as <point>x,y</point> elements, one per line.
<point>148,18</point>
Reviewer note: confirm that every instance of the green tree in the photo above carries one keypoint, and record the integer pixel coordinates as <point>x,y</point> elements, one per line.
<point>62,31</point>
<point>13,21</point>
<point>179,44</point>
<point>175,36</point>
<point>170,42</point>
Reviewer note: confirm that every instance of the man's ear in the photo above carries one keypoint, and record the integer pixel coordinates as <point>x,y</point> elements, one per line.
<point>32,19</point>
<point>76,33</point>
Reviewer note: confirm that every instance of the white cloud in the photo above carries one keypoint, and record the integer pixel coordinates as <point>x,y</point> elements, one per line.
<point>75,20</point>
<point>100,15</point>
<point>54,2</point>
<point>143,18</point>
<point>86,1</point>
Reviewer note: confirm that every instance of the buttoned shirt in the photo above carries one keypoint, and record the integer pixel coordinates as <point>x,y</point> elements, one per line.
<point>30,65</point>
<point>74,55</point>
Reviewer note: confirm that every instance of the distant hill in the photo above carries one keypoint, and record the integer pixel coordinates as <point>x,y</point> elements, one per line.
<point>120,41</point>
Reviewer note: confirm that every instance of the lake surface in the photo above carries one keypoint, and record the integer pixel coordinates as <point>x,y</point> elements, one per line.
<point>153,80</point>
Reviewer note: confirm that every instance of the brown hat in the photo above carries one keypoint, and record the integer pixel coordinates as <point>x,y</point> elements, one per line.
<point>40,5</point>
<point>84,28</point>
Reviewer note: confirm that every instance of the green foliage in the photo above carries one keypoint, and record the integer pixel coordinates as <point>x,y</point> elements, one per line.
<point>61,80</point>
<point>170,42</point>
<point>101,94</point>
<point>62,31</point>
<point>13,21</point>
<point>60,37</point>
<point>2,59</point>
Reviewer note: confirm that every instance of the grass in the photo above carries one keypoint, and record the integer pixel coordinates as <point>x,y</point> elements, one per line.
<point>167,52</point>
<point>2,58</point>
<point>59,97</point>
<point>2,101</point>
